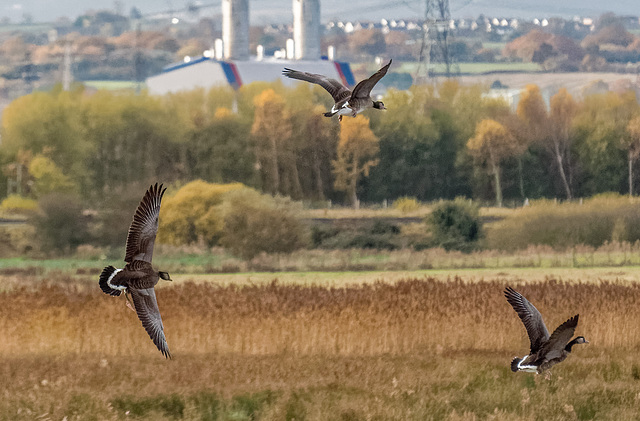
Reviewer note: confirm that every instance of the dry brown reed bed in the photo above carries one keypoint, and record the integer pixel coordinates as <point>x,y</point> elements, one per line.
<point>413,350</point>
<point>409,316</point>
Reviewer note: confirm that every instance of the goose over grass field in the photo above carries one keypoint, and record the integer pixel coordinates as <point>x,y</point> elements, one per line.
<point>138,277</point>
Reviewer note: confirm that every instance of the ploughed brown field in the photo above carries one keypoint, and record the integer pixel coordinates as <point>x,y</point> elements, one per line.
<point>415,349</point>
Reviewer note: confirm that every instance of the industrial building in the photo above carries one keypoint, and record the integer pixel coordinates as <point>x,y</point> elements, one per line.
<point>230,62</point>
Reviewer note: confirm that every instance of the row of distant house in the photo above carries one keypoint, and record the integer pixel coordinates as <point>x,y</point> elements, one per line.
<point>482,23</point>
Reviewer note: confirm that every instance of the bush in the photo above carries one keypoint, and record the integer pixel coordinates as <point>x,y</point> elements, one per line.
<point>18,204</point>
<point>256,223</point>
<point>406,204</point>
<point>603,218</point>
<point>456,225</point>
<point>380,235</point>
<point>194,214</point>
<point>60,224</point>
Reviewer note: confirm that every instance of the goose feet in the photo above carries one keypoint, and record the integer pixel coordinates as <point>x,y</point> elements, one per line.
<point>547,375</point>
<point>129,304</point>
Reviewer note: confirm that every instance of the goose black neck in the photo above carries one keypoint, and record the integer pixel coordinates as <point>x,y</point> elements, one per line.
<point>570,344</point>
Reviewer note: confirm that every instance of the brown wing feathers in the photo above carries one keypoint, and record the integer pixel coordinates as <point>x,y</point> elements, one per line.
<point>531,318</point>
<point>142,232</point>
<point>146,306</point>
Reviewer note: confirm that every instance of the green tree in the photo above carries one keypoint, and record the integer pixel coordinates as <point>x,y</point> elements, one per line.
<point>632,144</point>
<point>601,137</point>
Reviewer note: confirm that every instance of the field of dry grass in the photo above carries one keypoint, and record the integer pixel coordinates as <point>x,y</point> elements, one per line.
<point>415,349</point>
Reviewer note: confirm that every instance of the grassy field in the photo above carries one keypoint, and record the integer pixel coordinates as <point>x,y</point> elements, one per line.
<point>418,348</point>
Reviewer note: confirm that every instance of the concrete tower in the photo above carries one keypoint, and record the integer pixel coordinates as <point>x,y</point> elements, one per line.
<point>306,29</point>
<point>235,29</point>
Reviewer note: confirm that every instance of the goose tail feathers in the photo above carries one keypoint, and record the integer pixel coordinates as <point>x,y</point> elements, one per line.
<point>107,274</point>
<point>515,364</point>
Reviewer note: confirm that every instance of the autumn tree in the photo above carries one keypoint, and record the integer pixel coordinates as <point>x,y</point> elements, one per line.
<point>550,130</point>
<point>492,143</point>
<point>563,109</point>
<point>632,144</point>
<point>271,128</point>
<point>357,150</point>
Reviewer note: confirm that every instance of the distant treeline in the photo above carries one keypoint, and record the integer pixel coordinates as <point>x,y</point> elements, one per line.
<point>431,143</point>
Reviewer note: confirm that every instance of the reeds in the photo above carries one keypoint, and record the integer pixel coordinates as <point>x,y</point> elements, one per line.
<point>409,316</point>
<point>419,349</point>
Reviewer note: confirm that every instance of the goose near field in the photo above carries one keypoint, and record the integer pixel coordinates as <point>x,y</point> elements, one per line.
<point>546,351</point>
<point>138,277</point>
<point>346,102</point>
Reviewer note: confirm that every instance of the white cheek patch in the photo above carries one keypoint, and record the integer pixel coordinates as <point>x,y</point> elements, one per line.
<point>116,287</point>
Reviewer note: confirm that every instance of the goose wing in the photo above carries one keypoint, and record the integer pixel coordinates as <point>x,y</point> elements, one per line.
<point>337,90</point>
<point>560,338</point>
<point>143,229</point>
<point>146,306</point>
<point>531,318</point>
<point>363,89</point>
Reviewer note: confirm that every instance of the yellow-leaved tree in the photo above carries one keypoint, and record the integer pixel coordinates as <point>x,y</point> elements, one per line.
<point>48,177</point>
<point>357,150</point>
<point>271,129</point>
<point>492,143</point>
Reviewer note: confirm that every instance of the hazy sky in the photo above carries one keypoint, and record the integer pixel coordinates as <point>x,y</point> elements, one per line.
<point>277,11</point>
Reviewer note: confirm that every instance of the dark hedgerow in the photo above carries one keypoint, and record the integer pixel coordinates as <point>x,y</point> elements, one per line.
<point>456,225</point>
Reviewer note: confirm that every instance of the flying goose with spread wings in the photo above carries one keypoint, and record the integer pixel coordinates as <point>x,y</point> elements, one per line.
<point>546,350</point>
<point>347,102</point>
<point>138,277</point>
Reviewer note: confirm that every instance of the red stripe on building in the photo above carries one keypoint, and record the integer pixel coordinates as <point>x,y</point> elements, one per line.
<point>340,73</point>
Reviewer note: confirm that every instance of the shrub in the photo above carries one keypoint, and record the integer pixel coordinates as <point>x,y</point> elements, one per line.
<point>194,214</point>
<point>406,204</point>
<point>379,235</point>
<point>18,204</point>
<point>455,225</point>
<point>593,222</point>
<point>256,223</point>
<point>60,224</point>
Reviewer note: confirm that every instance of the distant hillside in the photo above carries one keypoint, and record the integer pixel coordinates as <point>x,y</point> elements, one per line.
<point>276,11</point>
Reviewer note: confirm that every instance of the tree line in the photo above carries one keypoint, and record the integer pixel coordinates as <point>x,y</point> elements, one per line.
<point>433,142</point>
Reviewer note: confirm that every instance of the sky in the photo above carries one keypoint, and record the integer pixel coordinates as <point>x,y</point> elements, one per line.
<point>279,11</point>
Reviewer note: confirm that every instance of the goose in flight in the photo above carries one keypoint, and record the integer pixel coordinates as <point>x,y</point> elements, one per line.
<point>138,277</point>
<point>546,350</point>
<point>346,102</point>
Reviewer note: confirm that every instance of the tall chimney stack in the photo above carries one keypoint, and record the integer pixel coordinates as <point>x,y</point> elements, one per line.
<point>306,29</point>
<point>235,29</point>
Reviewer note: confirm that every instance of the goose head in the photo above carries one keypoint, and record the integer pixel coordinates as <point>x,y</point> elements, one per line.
<point>379,105</point>
<point>577,340</point>
<point>165,276</point>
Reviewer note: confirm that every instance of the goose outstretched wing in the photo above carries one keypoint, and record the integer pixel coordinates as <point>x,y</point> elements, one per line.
<point>143,229</point>
<point>560,338</point>
<point>337,90</point>
<point>531,318</point>
<point>146,306</point>
<point>363,89</point>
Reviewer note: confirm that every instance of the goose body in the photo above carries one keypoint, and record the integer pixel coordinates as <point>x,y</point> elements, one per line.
<point>546,350</point>
<point>347,102</point>
<point>138,278</point>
